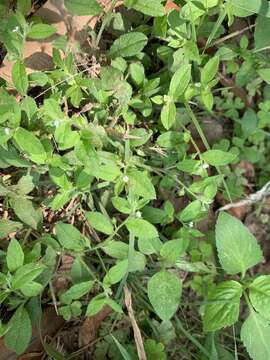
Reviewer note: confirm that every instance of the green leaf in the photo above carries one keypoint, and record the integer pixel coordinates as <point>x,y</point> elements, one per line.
<point>127,45</point>
<point>25,211</point>
<point>245,8</point>
<point>222,308</point>
<point>218,157</point>
<point>69,237</point>
<point>83,7</point>
<point>116,249</point>
<point>31,145</point>
<point>191,212</point>
<point>24,6</point>
<point>121,205</point>
<point>141,228</point>
<point>265,75</point>
<point>255,334</point>
<point>25,274</point>
<point>262,28</point>
<point>164,292</point>
<point>7,227</point>
<point>19,77</point>
<point>238,249</point>
<point>76,292</point>
<point>100,222</point>
<point>149,7</point>
<point>149,245</point>
<point>172,249</point>
<point>141,184</point>
<point>15,255</point>
<point>137,73</point>
<point>98,302</point>
<point>121,349</point>
<point>116,273</point>
<point>259,294</point>
<point>19,335</point>
<point>180,81</point>
<point>41,31</point>
<point>210,70</point>
<point>31,289</point>
<point>168,114</point>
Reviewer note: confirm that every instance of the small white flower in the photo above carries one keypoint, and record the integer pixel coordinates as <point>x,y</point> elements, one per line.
<point>6,131</point>
<point>205,166</point>
<point>16,29</point>
<point>126,179</point>
<point>191,224</point>
<point>56,123</point>
<point>138,214</point>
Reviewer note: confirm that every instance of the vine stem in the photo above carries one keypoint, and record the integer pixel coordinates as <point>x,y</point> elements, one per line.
<point>104,23</point>
<point>206,144</point>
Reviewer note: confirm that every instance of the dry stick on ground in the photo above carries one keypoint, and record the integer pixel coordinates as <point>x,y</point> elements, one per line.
<point>251,199</point>
<point>136,330</point>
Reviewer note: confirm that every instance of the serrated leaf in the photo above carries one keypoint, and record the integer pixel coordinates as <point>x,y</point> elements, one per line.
<point>100,222</point>
<point>168,114</point>
<point>15,255</point>
<point>76,292</point>
<point>127,45</point>
<point>31,145</point>
<point>141,228</point>
<point>19,335</point>
<point>41,31</point>
<point>70,237</point>
<point>149,7</point>
<point>218,157</point>
<point>238,249</point>
<point>180,81</point>
<point>164,292</point>
<point>222,308</point>
<point>255,334</point>
<point>19,77</point>
<point>259,294</point>
<point>83,7</point>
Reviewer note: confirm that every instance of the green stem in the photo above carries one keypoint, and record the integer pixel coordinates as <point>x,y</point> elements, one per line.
<point>104,23</point>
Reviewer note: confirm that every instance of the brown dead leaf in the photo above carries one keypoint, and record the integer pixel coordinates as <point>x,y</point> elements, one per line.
<point>136,330</point>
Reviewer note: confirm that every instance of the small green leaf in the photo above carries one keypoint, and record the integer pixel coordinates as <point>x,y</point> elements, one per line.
<point>127,45</point>
<point>116,249</point>
<point>69,237</point>
<point>168,115</point>
<point>83,7</point>
<point>20,332</point>
<point>180,81</point>
<point>149,7</point>
<point>25,211</point>
<point>259,293</point>
<point>218,157</point>
<point>19,77</point>
<point>265,75</point>
<point>24,6</point>
<point>255,334</point>
<point>121,205</point>
<point>210,70</point>
<point>25,274</point>
<point>100,222</point>
<point>98,302</point>
<point>31,289</point>
<point>41,31</point>
<point>15,255</point>
<point>191,212</point>
<point>222,308</point>
<point>164,293</point>
<point>31,145</point>
<point>116,273</point>
<point>238,249</point>
<point>7,227</point>
<point>171,250</point>
<point>141,228</point>
<point>141,184</point>
<point>76,292</point>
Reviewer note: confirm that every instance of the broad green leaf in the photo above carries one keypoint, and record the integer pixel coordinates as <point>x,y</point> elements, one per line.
<point>149,245</point>
<point>255,334</point>
<point>31,145</point>
<point>222,307</point>
<point>15,255</point>
<point>98,302</point>
<point>8,226</point>
<point>137,73</point>
<point>100,222</point>
<point>76,292</point>
<point>137,262</point>
<point>164,292</point>
<point>245,8</point>
<point>262,28</point>
<point>168,114</point>
<point>141,184</point>
<point>265,75</point>
<point>20,332</point>
<point>12,157</point>
<point>116,249</point>
<point>69,237</point>
<point>191,212</point>
<point>83,7</point>
<point>259,294</point>
<point>149,7</point>
<point>116,273</point>
<point>25,211</point>
<point>121,205</point>
<point>210,70</point>
<point>54,354</point>
<point>41,31</point>
<point>31,289</point>
<point>19,77</point>
<point>172,249</point>
<point>180,81</point>
<point>129,44</point>
<point>218,157</point>
<point>25,274</point>
<point>238,249</point>
<point>141,228</point>
<point>24,6</point>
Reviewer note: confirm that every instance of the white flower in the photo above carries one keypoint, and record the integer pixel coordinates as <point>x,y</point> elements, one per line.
<point>126,179</point>
<point>16,29</point>
<point>6,131</point>
<point>56,123</point>
<point>205,166</point>
<point>191,224</point>
<point>138,214</point>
